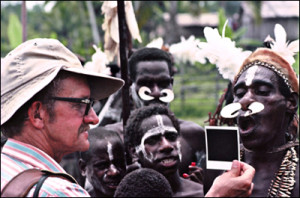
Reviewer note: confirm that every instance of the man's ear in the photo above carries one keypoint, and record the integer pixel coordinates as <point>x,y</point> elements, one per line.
<point>133,154</point>
<point>36,114</point>
<point>292,103</point>
<point>82,166</point>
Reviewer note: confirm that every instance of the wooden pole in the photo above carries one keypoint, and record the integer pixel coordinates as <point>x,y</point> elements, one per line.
<point>24,21</point>
<point>123,61</point>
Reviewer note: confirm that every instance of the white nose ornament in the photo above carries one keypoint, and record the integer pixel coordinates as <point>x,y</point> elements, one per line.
<point>144,93</point>
<point>168,95</point>
<point>254,108</point>
<point>232,110</point>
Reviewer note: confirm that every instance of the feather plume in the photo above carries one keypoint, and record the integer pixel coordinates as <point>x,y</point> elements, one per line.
<point>156,43</point>
<point>187,50</point>
<point>281,46</point>
<point>98,63</point>
<point>222,52</point>
<point>111,26</point>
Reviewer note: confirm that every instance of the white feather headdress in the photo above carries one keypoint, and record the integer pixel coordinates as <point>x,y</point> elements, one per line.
<point>187,50</point>
<point>98,63</point>
<point>285,49</point>
<point>222,52</point>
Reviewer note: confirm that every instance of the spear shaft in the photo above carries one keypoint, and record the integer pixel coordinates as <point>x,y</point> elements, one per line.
<point>123,61</point>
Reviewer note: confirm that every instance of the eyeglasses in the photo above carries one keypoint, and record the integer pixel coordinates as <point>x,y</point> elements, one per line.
<point>88,101</point>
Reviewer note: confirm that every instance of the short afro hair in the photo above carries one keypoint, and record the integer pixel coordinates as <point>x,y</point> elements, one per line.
<point>144,182</point>
<point>148,54</point>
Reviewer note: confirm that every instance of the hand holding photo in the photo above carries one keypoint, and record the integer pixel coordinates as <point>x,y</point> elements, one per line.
<point>222,146</point>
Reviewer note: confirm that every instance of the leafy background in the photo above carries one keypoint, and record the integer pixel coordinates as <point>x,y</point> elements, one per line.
<point>197,87</point>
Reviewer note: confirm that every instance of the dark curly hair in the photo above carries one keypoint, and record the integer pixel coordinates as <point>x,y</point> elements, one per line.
<point>148,54</point>
<point>144,182</point>
<point>133,133</point>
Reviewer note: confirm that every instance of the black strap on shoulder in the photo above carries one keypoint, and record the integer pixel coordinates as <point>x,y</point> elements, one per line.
<point>47,174</point>
<point>39,185</point>
<point>20,185</point>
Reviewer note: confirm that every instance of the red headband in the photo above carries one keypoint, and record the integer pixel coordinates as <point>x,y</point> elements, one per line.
<point>267,58</point>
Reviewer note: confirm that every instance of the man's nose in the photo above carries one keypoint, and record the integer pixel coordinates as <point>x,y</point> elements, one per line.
<point>155,92</point>
<point>246,100</point>
<point>112,170</point>
<point>165,145</point>
<point>91,117</point>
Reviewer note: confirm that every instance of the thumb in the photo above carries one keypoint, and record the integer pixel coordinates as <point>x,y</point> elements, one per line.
<point>235,168</point>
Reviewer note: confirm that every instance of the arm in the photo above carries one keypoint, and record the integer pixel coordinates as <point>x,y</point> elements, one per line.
<point>236,182</point>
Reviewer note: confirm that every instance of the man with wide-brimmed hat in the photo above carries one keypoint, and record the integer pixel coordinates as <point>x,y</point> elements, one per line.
<point>46,110</point>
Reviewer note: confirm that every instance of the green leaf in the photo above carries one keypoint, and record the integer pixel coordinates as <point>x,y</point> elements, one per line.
<point>222,20</point>
<point>14,31</point>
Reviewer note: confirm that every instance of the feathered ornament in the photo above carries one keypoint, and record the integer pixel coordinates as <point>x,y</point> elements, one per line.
<point>281,46</point>
<point>156,43</point>
<point>222,52</point>
<point>111,26</point>
<point>187,50</point>
<point>98,63</point>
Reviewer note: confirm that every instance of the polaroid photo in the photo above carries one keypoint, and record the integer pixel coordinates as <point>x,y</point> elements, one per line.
<point>222,146</point>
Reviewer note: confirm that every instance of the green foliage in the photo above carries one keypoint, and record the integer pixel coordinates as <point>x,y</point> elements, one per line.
<point>296,64</point>
<point>14,30</point>
<point>222,20</point>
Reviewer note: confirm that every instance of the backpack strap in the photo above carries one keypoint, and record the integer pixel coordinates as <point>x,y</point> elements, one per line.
<point>20,185</point>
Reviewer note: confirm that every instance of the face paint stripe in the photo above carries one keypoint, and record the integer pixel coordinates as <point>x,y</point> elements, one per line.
<point>250,74</point>
<point>109,151</point>
<point>160,129</point>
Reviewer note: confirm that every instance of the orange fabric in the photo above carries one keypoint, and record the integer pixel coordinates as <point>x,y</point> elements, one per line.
<point>268,56</point>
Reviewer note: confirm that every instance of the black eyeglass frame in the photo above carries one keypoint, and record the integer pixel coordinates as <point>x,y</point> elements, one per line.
<point>88,101</point>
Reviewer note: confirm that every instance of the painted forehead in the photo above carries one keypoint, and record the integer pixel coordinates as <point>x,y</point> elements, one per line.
<point>257,73</point>
<point>103,143</point>
<point>157,122</point>
<point>146,67</point>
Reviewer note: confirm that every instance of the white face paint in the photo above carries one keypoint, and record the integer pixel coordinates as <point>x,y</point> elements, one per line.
<point>179,149</point>
<point>109,151</point>
<point>250,75</point>
<point>160,129</point>
<point>136,99</point>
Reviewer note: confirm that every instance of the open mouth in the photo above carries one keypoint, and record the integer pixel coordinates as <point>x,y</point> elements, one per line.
<point>168,162</point>
<point>112,185</point>
<point>246,125</point>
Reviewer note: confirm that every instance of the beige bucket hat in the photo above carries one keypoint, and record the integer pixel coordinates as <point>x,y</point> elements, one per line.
<point>34,64</point>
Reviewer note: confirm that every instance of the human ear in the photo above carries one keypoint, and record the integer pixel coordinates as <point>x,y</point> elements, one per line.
<point>133,154</point>
<point>82,166</point>
<point>292,103</point>
<point>36,114</point>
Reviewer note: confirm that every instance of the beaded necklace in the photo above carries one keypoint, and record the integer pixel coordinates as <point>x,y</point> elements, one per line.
<point>284,180</point>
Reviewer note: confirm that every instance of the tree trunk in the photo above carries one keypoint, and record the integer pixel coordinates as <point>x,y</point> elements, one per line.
<point>93,23</point>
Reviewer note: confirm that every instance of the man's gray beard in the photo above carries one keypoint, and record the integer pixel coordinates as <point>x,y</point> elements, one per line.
<point>138,103</point>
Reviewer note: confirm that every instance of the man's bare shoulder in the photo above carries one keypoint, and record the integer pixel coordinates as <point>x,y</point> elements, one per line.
<point>190,189</point>
<point>193,134</point>
<point>190,127</point>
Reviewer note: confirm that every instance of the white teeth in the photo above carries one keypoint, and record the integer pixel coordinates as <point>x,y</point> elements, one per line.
<point>165,161</point>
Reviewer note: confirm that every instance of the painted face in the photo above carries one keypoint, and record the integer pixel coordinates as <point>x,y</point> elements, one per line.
<point>107,166</point>
<point>154,75</point>
<point>160,147</point>
<point>263,130</point>
<point>67,132</point>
